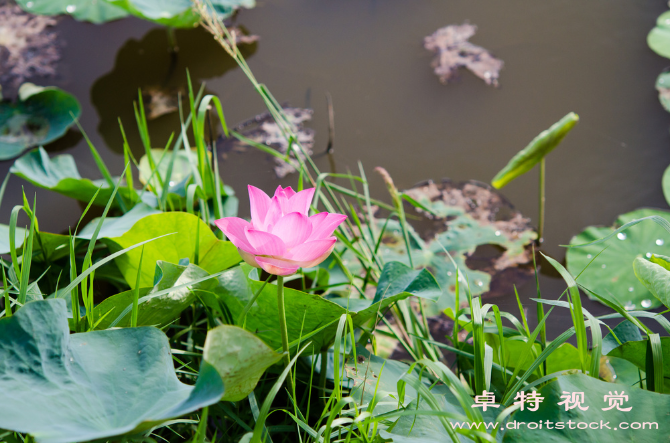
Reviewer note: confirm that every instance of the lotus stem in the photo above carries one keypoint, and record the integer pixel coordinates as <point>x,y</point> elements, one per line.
<point>282,319</point>
<point>540,227</point>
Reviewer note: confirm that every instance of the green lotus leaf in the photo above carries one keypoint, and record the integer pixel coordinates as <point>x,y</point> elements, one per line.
<point>40,116</point>
<point>611,274</point>
<point>646,408</point>
<point>60,174</point>
<point>95,11</point>
<point>63,388</point>
<point>304,312</point>
<point>240,357</point>
<point>178,13</point>
<point>636,353</point>
<point>659,37</point>
<point>209,253</point>
<point>663,88</point>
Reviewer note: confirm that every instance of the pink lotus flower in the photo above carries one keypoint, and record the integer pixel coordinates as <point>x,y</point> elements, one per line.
<point>281,236</point>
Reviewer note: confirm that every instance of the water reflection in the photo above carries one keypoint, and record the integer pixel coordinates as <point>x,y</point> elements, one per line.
<point>150,65</point>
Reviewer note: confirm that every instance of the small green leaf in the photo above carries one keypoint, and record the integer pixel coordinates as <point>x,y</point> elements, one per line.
<point>536,150</point>
<point>240,358</point>
<point>659,37</point>
<point>636,353</point>
<point>40,116</point>
<point>654,277</point>
<point>398,278</point>
<point>178,13</point>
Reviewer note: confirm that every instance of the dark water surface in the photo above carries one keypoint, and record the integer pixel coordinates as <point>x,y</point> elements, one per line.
<point>390,109</point>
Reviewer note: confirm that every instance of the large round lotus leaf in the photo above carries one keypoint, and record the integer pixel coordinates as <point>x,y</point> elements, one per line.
<point>63,388</point>
<point>659,37</point>
<point>648,409</point>
<point>240,357</point>
<point>96,11</point>
<point>178,13</point>
<point>210,253</point>
<point>40,116</point>
<point>611,273</point>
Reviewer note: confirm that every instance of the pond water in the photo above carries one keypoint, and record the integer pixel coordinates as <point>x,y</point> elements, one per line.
<point>391,110</point>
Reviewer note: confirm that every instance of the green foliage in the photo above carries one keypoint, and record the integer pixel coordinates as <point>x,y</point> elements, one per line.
<point>190,239</point>
<point>40,116</point>
<point>655,276</point>
<point>309,316</point>
<point>611,274</point>
<point>68,382</point>
<point>60,174</point>
<point>659,37</point>
<point>240,357</point>
<point>646,407</point>
<point>536,150</point>
<point>156,310</point>
<point>636,353</point>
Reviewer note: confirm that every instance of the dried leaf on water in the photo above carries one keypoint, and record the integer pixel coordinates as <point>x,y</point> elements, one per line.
<point>453,50</point>
<point>29,46</point>
<point>263,129</point>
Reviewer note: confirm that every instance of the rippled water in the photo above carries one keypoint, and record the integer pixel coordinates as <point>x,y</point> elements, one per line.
<point>390,110</point>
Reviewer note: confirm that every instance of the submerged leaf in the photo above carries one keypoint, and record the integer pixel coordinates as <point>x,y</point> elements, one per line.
<point>240,357</point>
<point>40,116</point>
<point>263,129</point>
<point>29,46</point>
<point>486,237</point>
<point>536,150</point>
<point>63,388</point>
<point>611,274</point>
<point>454,51</point>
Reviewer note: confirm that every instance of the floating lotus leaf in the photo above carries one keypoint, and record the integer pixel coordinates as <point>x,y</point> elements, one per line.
<point>611,273</point>
<point>63,388</point>
<point>178,13</point>
<point>647,407</point>
<point>40,116</point>
<point>95,11</point>
<point>663,88</point>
